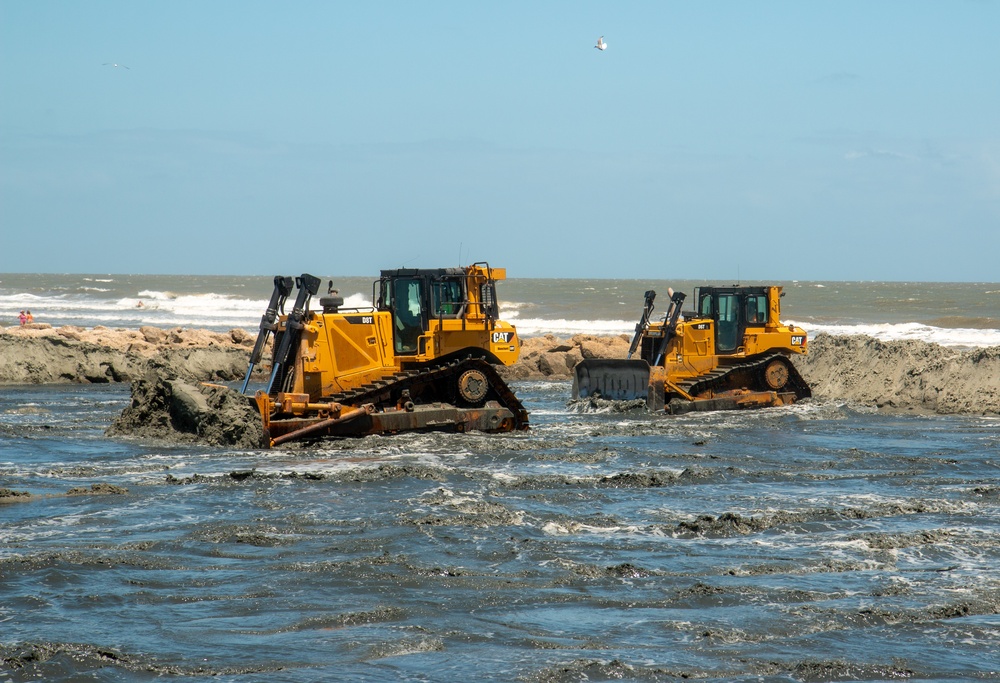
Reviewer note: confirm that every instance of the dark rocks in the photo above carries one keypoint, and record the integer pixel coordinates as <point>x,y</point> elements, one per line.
<point>8,495</point>
<point>102,489</point>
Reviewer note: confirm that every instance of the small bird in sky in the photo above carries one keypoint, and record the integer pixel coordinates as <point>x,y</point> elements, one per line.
<point>601,45</point>
<point>125,67</point>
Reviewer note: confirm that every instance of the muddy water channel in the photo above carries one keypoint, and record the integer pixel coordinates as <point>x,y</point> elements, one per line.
<point>812,543</point>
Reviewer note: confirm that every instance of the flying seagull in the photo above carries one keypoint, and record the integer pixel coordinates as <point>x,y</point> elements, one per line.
<point>601,45</point>
<point>125,67</point>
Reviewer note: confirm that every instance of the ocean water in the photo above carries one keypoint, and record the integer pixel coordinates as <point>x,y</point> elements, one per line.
<point>817,542</point>
<point>955,314</point>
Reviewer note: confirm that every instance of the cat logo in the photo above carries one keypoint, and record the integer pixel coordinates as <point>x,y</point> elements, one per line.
<point>798,339</point>
<point>502,337</point>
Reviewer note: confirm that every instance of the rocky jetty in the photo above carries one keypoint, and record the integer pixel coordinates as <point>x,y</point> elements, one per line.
<point>41,354</point>
<point>549,357</point>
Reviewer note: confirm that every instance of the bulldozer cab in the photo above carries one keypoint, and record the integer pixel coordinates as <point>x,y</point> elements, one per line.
<point>733,309</point>
<point>414,297</point>
<point>438,302</point>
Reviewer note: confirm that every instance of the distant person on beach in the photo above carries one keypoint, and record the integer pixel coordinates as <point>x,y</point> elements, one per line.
<point>28,317</point>
<point>23,318</point>
<point>140,304</point>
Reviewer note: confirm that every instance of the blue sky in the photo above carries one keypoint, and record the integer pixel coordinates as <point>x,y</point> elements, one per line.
<point>765,140</point>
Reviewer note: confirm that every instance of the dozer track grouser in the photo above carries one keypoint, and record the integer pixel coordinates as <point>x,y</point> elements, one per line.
<point>421,358</point>
<point>732,352</point>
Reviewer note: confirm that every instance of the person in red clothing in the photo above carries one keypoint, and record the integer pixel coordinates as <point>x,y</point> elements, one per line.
<point>23,318</point>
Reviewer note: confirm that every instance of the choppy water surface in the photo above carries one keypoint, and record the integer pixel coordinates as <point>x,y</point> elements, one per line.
<point>948,313</point>
<point>816,542</point>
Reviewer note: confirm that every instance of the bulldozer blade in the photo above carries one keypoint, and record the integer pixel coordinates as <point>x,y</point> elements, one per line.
<point>613,379</point>
<point>491,418</point>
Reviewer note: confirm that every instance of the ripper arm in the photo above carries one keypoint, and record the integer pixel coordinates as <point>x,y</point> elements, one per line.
<point>308,286</point>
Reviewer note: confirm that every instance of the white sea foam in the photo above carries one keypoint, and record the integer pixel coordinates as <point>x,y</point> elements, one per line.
<point>944,336</point>
<point>357,301</point>
<point>148,307</point>
<point>221,312</point>
<point>533,327</point>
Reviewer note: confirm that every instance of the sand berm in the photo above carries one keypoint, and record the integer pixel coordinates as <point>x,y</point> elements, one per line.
<point>896,375</point>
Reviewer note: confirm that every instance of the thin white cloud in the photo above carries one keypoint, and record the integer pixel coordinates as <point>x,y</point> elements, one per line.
<point>856,154</point>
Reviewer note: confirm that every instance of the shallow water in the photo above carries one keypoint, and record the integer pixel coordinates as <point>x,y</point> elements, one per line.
<point>815,542</point>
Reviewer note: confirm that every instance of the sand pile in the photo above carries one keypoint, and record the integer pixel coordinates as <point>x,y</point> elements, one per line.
<point>170,409</point>
<point>903,375</point>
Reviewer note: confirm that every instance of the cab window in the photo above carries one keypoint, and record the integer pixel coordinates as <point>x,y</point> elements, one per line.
<point>706,306</point>
<point>407,313</point>
<point>446,298</point>
<point>727,332</point>
<point>756,310</point>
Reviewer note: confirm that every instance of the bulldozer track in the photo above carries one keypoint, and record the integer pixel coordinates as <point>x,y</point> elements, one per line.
<point>748,374</point>
<point>389,390</point>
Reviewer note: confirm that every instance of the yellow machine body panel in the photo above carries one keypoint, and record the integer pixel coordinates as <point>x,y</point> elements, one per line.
<point>447,337</point>
<point>341,351</point>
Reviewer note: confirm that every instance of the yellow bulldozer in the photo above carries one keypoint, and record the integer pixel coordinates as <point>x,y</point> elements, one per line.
<point>422,357</point>
<point>731,352</point>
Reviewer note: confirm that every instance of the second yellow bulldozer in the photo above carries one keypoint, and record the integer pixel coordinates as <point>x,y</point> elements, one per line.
<point>731,352</point>
<point>420,358</point>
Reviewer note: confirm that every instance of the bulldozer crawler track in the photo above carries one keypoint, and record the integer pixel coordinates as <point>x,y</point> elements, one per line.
<point>387,392</point>
<point>749,375</point>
